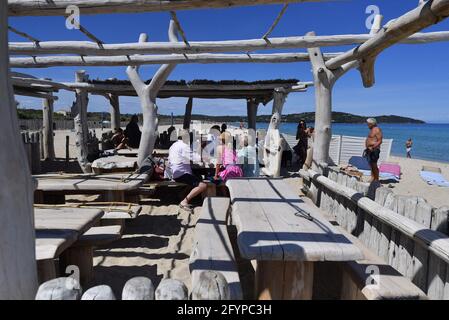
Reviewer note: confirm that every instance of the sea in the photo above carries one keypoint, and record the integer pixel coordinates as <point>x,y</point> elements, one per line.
<point>430,141</point>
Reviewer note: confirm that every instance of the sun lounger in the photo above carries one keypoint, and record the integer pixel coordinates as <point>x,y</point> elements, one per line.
<point>434,178</point>
<point>360,163</point>
<point>390,170</point>
<point>387,170</point>
<point>431,169</point>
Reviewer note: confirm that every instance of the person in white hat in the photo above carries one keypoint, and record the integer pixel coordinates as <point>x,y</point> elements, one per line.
<point>373,143</point>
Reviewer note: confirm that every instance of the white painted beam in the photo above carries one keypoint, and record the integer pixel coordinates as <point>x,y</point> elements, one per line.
<point>58,7</point>
<point>88,48</point>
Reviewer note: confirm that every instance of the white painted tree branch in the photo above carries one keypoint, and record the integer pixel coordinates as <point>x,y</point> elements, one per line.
<point>425,15</point>
<point>204,58</point>
<point>251,109</point>
<point>188,114</point>
<point>114,110</point>
<point>87,48</point>
<point>279,98</point>
<point>18,271</point>
<point>58,7</point>
<point>47,129</point>
<point>324,81</point>
<point>41,95</point>
<point>148,94</point>
<point>80,120</point>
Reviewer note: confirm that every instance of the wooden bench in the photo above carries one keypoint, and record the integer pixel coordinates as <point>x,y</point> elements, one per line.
<point>56,231</point>
<point>114,213</point>
<point>356,276</point>
<point>212,249</point>
<point>53,187</point>
<point>80,253</point>
<point>151,186</point>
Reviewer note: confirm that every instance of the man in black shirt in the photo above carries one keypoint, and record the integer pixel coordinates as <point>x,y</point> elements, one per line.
<point>133,133</point>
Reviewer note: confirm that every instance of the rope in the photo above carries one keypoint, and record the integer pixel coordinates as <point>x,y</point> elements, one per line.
<point>61,175</point>
<point>93,205</point>
<point>276,21</point>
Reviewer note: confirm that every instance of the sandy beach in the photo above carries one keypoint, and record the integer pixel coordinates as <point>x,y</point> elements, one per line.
<point>412,184</point>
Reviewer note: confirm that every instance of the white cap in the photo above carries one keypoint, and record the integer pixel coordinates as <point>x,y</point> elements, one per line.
<point>372,121</point>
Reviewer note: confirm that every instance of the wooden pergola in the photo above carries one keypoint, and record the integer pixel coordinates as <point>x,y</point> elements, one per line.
<point>18,275</point>
<point>254,93</point>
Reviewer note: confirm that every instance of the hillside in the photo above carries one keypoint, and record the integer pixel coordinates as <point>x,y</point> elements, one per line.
<point>337,117</point>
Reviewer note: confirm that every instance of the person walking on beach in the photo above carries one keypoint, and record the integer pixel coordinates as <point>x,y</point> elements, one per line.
<point>373,143</point>
<point>408,147</point>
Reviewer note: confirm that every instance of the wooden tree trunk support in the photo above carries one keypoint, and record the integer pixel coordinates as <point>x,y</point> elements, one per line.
<point>60,289</point>
<point>114,111</point>
<point>18,272</point>
<point>102,292</point>
<point>147,95</point>
<point>279,97</point>
<point>284,280</point>
<point>188,114</point>
<point>171,289</point>
<point>324,80</point>
<point>81,257</point>
<point>35,144</point>
<point>47,130</point>
<point>138,288</point>
<point>251,107</point>
<point>81,129</point>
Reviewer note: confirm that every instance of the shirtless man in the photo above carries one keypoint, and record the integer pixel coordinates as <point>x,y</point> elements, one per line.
<point>373,143</point>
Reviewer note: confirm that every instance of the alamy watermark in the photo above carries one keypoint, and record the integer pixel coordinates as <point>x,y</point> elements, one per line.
<point>373,280</point>
<point>73,20</point>
<point>372,11</point>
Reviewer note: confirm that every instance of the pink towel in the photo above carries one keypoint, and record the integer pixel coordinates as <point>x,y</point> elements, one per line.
<point>394,169</point>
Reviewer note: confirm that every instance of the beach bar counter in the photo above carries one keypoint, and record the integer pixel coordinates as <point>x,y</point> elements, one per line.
<point>285,235</point>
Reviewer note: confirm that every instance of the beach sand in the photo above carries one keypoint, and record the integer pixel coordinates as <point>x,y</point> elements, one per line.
<point>156,245</point>
<point>412,184</point>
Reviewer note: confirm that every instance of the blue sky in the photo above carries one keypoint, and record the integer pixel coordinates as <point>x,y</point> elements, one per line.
<point>411,80</point>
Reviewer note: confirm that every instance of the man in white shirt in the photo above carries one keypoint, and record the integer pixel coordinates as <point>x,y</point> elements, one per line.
<point>179,158</point>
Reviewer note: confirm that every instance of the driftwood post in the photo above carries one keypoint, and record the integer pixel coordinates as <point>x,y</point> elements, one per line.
<point>80,119</point>
<point>324,80</point>
<point>18,272</point>
<point>148,94</point>
<point>251,107</point>
<point>188,114</point>
<point>114,111</point>
<point>279,97</point>
<point>47,129</point>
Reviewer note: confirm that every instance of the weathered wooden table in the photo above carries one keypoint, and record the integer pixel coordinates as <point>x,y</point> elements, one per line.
<point>128,152</point>
<point>114,164</point>
<point>285,235</point>
<point>134,152</point>
<point>111,186</point>
<point>56,231</point>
